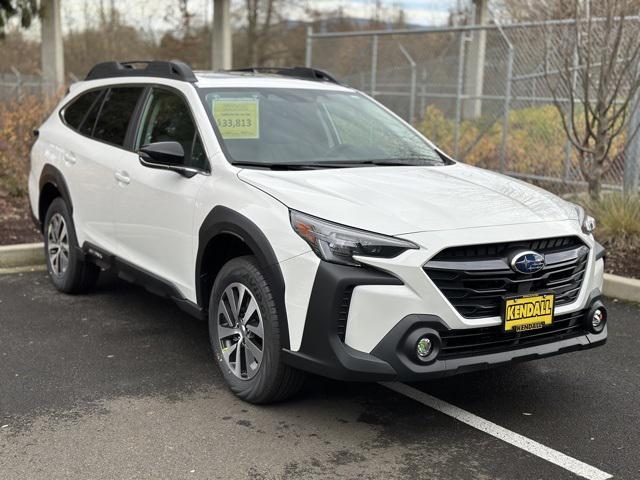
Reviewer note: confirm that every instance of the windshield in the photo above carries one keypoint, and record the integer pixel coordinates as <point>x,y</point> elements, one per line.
<point>318,128</point>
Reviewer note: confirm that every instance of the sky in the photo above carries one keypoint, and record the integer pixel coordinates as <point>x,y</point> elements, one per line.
<point>155,14</point>
<point>158,16</point>
<point>422,12</point>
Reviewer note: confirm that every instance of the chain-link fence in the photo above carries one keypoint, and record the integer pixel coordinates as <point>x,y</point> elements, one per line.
<point>483,93</point>
<point>15,85</point>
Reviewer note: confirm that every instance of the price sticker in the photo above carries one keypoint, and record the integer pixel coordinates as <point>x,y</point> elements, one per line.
<point>237,118</point>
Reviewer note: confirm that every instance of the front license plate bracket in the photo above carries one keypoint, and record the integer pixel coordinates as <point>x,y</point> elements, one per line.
<point>528,312</point>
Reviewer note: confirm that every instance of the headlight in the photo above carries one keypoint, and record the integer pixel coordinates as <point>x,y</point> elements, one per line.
<point>587,222</point>
<point>338,244</point>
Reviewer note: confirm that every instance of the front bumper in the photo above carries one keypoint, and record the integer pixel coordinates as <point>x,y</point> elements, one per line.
<point>351,365</point>
<point>323,349</point>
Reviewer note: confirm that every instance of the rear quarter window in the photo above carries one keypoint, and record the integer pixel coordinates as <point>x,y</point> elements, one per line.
<point>75,113</point>
<point>86,127</point>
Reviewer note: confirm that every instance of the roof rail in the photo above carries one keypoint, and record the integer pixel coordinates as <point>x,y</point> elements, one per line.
<point>307,73</point>
<point>174,70</point>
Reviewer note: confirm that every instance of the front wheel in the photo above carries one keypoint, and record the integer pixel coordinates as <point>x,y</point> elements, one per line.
<point>244,328</point>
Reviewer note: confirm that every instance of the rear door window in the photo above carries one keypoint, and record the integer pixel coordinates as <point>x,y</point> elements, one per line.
<point>115,114</point>
<point>75,113</point>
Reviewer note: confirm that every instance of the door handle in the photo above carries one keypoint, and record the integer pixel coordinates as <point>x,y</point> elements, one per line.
<point>69,158</point>
<point>122,177</point>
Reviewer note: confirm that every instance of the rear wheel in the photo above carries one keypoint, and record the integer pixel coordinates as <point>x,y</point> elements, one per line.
<point>68,272</point>
<point>244,328</point>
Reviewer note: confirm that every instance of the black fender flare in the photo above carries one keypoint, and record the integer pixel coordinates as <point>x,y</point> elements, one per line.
<point>223,220</point>
<point>52,175</point>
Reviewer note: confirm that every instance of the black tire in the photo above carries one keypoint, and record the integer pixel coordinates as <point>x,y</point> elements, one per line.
<point>273,381</point>
<point>78,276</point>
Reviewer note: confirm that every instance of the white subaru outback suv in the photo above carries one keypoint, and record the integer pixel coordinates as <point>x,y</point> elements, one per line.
<point>314,229</point>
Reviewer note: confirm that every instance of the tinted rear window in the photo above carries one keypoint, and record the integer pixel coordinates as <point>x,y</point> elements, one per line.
<point>75,113</point>
<point>116,113</point>
<point>86,127</point>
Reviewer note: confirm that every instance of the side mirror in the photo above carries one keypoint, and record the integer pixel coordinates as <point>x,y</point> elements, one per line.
<point>165,156</point>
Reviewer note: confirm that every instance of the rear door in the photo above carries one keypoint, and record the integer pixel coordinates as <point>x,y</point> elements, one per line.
<point>90,158</point>
<point>86,174</point>
<point>155,208</point>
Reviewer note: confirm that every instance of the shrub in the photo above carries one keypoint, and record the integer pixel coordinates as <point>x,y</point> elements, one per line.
<point>535,143</point>
<point>618,218</point>
<point>18,119</point>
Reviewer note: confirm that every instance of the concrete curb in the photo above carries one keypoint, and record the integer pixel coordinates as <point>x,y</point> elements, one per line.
<point>22,255</point>
<point>622,288</point>
<point>32,254</point>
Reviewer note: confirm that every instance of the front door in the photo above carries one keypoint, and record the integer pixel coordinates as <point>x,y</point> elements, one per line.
<point>155,208</point>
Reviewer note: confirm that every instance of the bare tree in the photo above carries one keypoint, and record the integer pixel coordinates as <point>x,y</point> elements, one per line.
<point>261,15</point>
<point>524,10</point>
<point>592,71</point>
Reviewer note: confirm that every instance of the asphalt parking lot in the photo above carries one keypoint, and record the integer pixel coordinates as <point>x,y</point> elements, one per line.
<point>121,384</point>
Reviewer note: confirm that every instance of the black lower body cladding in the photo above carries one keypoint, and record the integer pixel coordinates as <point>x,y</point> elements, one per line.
<point>324,352</point>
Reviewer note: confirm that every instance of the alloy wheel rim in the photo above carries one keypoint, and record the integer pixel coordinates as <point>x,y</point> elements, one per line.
<point>240,331</point>
<point>58,245</point>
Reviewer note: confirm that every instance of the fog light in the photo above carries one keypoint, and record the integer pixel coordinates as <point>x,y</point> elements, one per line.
<point>596,321</point>
<point>596,318</point>
<point>424,347</point>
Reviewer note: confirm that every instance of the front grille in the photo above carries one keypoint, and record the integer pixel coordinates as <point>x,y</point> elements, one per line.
<point>485,340</point>
<point>476,278</point>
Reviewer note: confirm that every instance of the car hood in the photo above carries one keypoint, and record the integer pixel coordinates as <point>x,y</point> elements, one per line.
<point>398,200</point>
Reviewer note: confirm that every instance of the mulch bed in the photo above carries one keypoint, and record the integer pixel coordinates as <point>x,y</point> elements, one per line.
<point>623,260</point>
<point>16,225</point>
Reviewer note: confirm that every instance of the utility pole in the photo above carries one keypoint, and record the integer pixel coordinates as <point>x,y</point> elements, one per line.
<point>51,45</point>
<point>221,47</point>
<point>474,62</point>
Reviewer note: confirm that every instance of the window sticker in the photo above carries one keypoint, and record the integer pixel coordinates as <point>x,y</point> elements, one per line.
<point>237,118</point>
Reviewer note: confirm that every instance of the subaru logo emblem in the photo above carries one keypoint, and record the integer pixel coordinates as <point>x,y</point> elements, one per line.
<point>527,262</point>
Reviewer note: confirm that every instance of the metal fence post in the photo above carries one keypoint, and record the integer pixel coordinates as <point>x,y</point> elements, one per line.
<point>505,120</point>
<point>456,127</point>
<point>423,94</point>
<point>374,64</point>
<point>414,79</point>
<point>568,148</point>
<point>632,152</point>
<point>18,86</point>
<point>632,155</point>
<point>567,161</point>
<point>309,51</point>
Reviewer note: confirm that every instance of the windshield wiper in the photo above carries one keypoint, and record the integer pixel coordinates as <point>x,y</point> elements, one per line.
<point>292,166</point>
<point>395,162</point>
<point>409,162</point>
<point>392,162</point>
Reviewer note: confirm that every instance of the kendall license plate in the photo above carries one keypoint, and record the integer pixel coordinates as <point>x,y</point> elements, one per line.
<point>528,312</point>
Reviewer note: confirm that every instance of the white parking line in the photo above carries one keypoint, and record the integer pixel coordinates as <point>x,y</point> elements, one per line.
<point>515,439</point>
